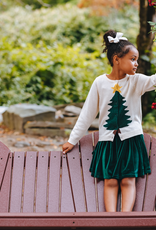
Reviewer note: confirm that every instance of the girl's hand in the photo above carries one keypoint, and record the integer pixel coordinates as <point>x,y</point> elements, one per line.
<point>67,147</point>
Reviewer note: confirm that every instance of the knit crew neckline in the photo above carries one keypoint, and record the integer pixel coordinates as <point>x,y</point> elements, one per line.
<point>119,80</point>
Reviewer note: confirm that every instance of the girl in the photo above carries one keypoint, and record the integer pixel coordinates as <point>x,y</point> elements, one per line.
<point>120,154</point>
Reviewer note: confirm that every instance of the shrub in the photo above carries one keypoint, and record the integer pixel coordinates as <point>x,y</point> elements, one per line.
<point>65,24</point>
<point>51,56</point>
<point>44,74</point>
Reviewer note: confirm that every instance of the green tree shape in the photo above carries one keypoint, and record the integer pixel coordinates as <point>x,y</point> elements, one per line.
<point>117,113</point>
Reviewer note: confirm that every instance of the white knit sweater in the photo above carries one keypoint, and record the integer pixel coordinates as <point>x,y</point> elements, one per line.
<point>132,87</point>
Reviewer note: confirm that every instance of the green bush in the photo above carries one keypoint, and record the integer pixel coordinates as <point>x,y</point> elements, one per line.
<point>45,74</point>
<point>44,3</point>
<point>52,55</point>
<point>149,120</point>
<point>34,4</point>
<point>66,24</point>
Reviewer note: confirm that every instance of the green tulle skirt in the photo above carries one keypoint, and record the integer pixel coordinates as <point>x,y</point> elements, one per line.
<point>120,159</point>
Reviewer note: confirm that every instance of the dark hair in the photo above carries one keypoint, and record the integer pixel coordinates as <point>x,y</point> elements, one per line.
<point>120,49</point>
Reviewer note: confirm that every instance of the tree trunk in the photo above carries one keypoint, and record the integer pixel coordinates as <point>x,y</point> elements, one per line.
<point>144,44</point>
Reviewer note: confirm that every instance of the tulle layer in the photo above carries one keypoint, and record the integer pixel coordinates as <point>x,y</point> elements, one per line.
<point>120,159</point>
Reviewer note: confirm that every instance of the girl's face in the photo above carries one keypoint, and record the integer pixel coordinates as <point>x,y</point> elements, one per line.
<point>128,64</point>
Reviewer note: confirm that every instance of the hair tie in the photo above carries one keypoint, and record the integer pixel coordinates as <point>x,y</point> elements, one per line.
<point>117,38</point>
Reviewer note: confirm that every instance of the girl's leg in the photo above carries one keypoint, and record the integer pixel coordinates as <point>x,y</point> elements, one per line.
<point>111,187</point>
<point>128,191</point>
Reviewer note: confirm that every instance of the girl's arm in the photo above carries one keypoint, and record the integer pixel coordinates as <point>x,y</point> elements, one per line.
<point>87,116</point>
<point>145,83</point>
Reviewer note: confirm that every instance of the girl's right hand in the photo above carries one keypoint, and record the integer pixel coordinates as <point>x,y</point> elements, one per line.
<point>67,147</point>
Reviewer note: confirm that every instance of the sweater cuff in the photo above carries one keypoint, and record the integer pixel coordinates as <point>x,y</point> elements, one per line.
<point>72,141</point>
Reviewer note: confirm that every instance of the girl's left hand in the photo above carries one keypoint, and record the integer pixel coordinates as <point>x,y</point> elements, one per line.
<point>67,147</point>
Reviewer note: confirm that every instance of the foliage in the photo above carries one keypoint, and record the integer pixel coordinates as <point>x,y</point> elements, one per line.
<point>150,120</point>
<point>152,116</point>
<point>34,4</point>
<point>43,3</point>
<point>65,24</point>
<point>51,56</point>
<point>43,73</point>
<point>152,24</point>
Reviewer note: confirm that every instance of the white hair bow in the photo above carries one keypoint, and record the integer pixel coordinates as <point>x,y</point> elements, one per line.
<point>117,38</point>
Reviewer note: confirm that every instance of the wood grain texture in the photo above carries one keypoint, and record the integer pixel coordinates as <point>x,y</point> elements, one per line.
<point>29,186</point>
<point>6,185</point>
<point>42,177</point>
<point>86,147</point>
<point>141,181</point>
<point>67,204</point>
<point>150,195</point>
<point>54,181</point>
<point>17,182</point>
<point>76,179</point>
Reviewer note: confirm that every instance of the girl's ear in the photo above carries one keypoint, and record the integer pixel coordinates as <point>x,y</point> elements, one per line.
<point>116,60</point>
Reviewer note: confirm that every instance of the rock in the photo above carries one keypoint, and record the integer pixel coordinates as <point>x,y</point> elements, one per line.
<point>58,143</point>
<point>17,115</point>
<point>43,143</point>
<point>10,139</point>
<point>8,119</point>
<point>20,144</point>
<point>59,116</point>
<point>46,132</point>
<point>47,128</point>
<point>71,111</point>
<point>33,148</point>
<point>61,107</point>
<point>47,124</point>
<point>53,129</point>
<point>70,120</point>
<point>2,110</point>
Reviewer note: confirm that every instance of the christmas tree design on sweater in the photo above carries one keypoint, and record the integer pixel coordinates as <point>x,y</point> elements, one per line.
<point>117,113</point>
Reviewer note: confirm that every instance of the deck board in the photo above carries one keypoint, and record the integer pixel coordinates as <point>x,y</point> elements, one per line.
<point>116,220</point>
<point>141,181</point>
<point>29,186</point>
<point>150,195</point>
<point>42,177</point>
<point>54,181</point>
<point>86,146</point>
<point>76,179</point>
<point>5,188</point>
<point>100,183</point>
<point>67,204</point>
<point>17,182</point>
<point>4,152</point>
<point>5,176</point>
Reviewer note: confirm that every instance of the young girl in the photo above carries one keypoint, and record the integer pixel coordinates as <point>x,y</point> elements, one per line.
<point>120,154</point>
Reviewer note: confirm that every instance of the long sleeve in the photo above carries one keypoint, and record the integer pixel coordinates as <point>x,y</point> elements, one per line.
<point>146,83</point>
<point>87,115</point>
